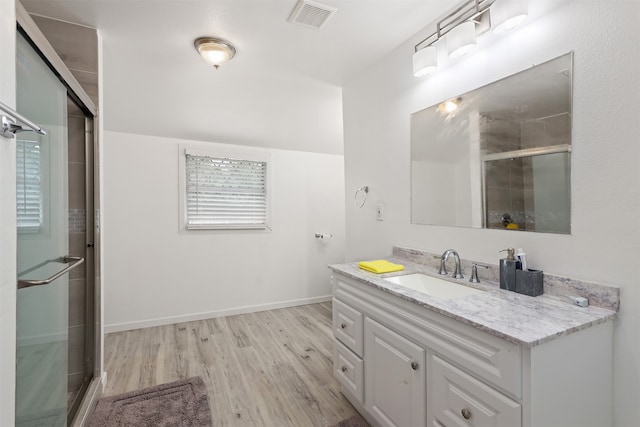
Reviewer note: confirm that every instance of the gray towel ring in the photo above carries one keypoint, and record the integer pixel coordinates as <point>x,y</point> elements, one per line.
<point>362,190</point>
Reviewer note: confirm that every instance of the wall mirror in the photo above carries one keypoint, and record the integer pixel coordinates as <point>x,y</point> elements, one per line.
<point>499,156</point>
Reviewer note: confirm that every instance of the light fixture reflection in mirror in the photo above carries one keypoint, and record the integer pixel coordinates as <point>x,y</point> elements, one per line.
<point>449,106</point>
<point>503,152</point>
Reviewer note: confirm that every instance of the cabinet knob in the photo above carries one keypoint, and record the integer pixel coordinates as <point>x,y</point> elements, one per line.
<point>344,369</point>
<point>414,366</point>
<point>466,414</point>
<point>343,325</point>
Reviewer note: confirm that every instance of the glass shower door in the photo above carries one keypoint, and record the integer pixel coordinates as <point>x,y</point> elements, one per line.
<point>43,245</point>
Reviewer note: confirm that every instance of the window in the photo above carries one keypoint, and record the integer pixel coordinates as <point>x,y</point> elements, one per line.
<point>224,192</point>
<point>29,186</point>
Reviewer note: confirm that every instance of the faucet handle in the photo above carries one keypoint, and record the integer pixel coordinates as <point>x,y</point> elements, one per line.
<point>474,272</point>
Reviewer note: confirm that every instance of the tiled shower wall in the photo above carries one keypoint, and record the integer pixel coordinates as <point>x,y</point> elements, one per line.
<point>509,186</point>
<point>504,180</point>
<point>77,245</point>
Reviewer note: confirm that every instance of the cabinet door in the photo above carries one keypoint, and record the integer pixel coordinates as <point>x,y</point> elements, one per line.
<point>456,399</point>
<point>394,377</point>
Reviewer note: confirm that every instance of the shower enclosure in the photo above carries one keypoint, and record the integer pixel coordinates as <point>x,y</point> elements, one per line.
<point>58,330</point>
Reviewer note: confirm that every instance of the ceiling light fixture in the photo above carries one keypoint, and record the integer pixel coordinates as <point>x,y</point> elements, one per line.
<point>463,25</point>
<point>214,50</point>
<point>508,14</point>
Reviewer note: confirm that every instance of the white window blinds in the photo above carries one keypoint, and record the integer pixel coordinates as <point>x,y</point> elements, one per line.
<point>225,193</point>
<point>29,185</point>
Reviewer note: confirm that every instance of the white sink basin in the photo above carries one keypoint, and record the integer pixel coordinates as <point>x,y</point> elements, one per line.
<point>433,286</point>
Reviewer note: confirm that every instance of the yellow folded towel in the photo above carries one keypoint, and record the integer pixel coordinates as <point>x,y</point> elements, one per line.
<point>380,266</point>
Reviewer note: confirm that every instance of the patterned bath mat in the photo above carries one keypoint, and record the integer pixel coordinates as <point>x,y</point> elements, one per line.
<point>182,403</point>
<point>354,421</point>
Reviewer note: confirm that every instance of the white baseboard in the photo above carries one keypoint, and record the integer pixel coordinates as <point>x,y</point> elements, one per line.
<point>170,320</point>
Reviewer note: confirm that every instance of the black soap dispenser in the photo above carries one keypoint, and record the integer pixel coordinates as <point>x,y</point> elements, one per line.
<point>508,267</point>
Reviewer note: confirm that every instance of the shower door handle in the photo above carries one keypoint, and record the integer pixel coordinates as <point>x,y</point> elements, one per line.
<point>8,126</point>
<point>74,260</point>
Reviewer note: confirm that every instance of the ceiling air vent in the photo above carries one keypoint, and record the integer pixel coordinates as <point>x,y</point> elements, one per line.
<point>311,14</point>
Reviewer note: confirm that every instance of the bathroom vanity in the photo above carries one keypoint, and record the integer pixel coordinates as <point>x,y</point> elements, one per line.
<point>494,358</point>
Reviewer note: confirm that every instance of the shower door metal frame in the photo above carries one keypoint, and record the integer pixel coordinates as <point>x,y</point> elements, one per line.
<point>37,39</point>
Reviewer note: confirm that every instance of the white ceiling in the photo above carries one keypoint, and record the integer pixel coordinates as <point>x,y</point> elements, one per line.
<point>283,89</point>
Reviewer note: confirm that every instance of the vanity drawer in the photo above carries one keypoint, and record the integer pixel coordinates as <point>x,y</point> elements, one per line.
<point>349,370</point>
<point>348,326</point>
<point>458,399</point>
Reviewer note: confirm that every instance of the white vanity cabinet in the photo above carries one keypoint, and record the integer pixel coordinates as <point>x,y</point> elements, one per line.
<point>401,364</point>
<point>458,398</point>
<point>396,380</point>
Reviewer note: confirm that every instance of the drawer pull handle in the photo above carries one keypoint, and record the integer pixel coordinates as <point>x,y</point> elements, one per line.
<point>344,369</point>
<point>414,366</point>
<point>343,325</point>
<point>466,414</point>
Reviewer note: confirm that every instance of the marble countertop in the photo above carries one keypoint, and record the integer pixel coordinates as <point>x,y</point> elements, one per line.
<point>521,319</point>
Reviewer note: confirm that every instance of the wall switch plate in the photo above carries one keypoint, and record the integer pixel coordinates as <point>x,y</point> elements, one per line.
<point>380,212</point>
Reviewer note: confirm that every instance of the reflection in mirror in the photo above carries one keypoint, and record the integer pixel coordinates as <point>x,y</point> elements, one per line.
<point>499,156</point>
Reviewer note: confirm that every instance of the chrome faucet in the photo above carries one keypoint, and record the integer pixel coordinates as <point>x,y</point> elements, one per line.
<point>443,269</point>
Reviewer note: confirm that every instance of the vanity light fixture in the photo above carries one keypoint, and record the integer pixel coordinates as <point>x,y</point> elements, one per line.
<point>462,39</point>
<point>215,51</point>
<point>425,61</point>
<point>508,14</point>
<point>463,25</point>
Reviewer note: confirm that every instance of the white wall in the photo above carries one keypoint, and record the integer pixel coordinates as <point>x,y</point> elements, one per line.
<point>604,244</point>
<point>7,220</point>
<point>99,198</point>
<point>426,197</point>
<point>284,110</point>
<point>157,275</point>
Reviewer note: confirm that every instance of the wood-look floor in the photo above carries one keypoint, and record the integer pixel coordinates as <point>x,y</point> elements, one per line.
<point>272,368</point>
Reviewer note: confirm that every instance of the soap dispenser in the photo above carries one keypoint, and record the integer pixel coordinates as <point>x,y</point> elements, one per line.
<point>508,268</point>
